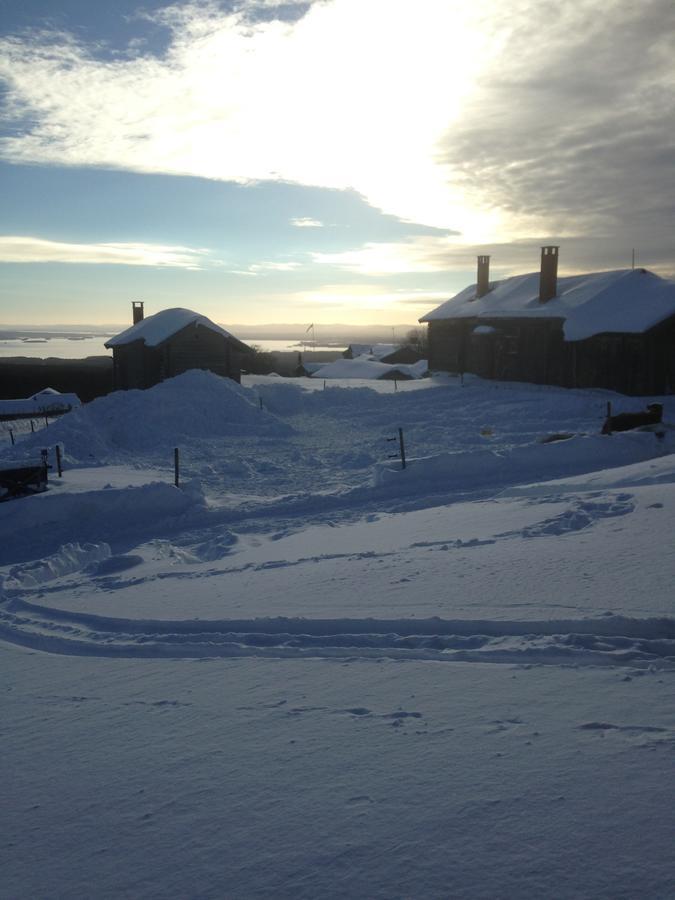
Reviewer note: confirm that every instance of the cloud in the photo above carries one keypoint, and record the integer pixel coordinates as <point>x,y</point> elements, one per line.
<point>575,136</point>
<point>322,100</point>
<point>275,267</point>
<point>510,120</point>
<point>306,222</point>
<point>424,253</point>
<point>21,249</point>
<point>364,303</point>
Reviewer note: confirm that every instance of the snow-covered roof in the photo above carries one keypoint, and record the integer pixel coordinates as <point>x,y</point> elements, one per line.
<point>312,367</point>
<point>156,329</point>
<point>363,367</point>
<point>375,351</point>
<point>625,300</point>
<point>47,400</point>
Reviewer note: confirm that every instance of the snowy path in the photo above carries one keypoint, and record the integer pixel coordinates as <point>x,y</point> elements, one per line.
<point>612,641</point>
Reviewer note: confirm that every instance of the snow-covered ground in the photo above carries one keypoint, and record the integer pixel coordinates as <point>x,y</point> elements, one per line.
<point>309,672</point>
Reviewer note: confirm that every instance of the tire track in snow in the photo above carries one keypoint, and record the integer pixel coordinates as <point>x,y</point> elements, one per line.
<point>608,641</point>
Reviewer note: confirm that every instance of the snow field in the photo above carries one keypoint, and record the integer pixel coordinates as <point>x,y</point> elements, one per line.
<point>260,778</point>
<point>273,681</point>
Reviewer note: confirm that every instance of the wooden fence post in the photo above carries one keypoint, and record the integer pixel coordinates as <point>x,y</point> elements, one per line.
<point>401,448</point>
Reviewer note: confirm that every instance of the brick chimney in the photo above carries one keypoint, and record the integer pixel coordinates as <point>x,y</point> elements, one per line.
<point>548,275</point>
<point>483,276</point>
<point>137,311</point>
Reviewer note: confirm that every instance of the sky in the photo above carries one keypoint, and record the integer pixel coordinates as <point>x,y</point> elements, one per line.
<point>324,161</point>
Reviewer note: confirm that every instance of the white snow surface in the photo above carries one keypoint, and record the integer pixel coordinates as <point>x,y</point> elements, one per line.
<point>155,329</point>
<point>307,672</point>
<point>625,300</point>
<point>365,367</point>
<point>43,402</point>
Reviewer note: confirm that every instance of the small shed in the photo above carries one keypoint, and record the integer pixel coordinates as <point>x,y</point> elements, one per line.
<point>171,342</point>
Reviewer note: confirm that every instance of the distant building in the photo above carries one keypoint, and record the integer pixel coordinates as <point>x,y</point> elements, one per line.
<point>384,353</point>
<point>47,402</point>
<point>613,330</point>
<point>169,343</point>
<point>365,368</point>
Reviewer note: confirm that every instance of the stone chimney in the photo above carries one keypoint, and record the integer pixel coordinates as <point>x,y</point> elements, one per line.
<point>137,310</point>
<point>483,276</point>
<point>548,275</point>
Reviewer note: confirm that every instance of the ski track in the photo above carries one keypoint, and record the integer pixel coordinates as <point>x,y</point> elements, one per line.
<point>642,644</point>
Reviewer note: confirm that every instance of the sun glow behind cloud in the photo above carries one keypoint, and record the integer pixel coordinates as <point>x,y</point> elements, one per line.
<point>364,303</point>
<point>510,123</point>
<point>356,94</point>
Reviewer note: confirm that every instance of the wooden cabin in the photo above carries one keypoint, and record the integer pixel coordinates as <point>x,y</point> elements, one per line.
<point>613,330</point>
<point>171,342</point>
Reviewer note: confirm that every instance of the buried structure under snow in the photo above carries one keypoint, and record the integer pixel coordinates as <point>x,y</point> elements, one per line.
<point>22,481</point>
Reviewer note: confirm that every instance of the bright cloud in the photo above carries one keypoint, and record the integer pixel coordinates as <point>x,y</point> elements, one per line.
<point>20,249</point>
<point>306,222</point>
<point>421,254</point>
<point>321,101</point>
<point>505,119</point>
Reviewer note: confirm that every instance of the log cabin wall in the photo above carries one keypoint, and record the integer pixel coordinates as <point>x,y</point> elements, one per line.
<point>535,351</point>
<point>196,347</point>
<point>129,366</point>
<point>136,365</point>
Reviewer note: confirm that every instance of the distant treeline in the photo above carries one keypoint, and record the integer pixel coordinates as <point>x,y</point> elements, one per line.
<point>88,378</point>
<point>286,363</point>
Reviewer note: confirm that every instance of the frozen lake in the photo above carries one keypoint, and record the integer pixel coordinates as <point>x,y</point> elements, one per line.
<point>61,347</point>
<point>79,348</point>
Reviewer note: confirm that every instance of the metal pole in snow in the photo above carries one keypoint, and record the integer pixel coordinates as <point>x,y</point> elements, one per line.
<point>11,436</point>
<point>59,468</point>
<point>175,466</point>
<point>400,438</point>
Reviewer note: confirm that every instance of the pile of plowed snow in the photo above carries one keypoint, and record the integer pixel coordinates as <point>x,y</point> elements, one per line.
<point>194,406</point>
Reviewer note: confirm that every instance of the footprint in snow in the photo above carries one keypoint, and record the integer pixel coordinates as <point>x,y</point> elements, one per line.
<point>630,729</point>
<point>360,800</point>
